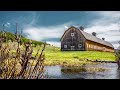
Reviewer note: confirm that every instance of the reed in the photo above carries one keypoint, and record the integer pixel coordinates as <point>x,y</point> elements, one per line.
<point>118,58</point>
<point>17,65</point>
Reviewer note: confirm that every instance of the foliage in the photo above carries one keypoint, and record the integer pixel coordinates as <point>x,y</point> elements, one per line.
<point>56,57</point>
<point>118,55</point>
<point>118,58</point>
<point>11,37</point>
<point>17,65</point>
<point>73,58</point>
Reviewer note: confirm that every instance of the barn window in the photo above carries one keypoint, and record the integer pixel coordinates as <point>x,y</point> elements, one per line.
<point>72,34</point>
<point>65,46</point>
<point>72,47</point>
<point>90,46</point>
<point>79,45</point>
<point>93,46</point>
<point>87,45</point>
<point>103,48</point>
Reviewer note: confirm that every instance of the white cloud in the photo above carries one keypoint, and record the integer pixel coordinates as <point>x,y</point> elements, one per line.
<point>107,26</point>
<point>102,28</point>
<point>66,27</point>
<point>7,24</point>
<point>42,33</point>
<point>57,44</point>
<point>112,14</point>
<point>46,33</point>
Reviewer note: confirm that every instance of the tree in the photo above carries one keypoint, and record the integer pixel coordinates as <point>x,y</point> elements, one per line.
<point>118,52</point>
<point>118,55</point>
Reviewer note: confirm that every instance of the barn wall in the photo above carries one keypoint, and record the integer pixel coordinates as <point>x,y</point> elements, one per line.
<point>73,41</point>
<point>78,38</point>
<point>97,47</point>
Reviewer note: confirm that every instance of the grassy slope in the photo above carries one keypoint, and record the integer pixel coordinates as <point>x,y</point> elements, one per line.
<point>55,53</point>
<point>55,56</point>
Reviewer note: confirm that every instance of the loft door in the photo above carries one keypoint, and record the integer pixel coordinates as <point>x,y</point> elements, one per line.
<point>72,47</point>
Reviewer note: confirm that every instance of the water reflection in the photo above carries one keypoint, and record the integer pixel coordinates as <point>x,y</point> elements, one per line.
<point>53,71</point>
<point>58,72</point>
<point>118,74</point>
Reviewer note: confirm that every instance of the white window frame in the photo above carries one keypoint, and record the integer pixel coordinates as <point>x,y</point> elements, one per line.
<point>79,45</point>
<point>72,34</point>
<point>65,46</point>
<point>72,47</point>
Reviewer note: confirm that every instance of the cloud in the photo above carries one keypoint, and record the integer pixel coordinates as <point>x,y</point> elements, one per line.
<point>43,33</point>
<point>35,18</point>
<point>46,33</point>
<point>66,27</point>
<point>57,44</point>
<point>112,14</point>
<point>7,24</point>
<point>107,26</point>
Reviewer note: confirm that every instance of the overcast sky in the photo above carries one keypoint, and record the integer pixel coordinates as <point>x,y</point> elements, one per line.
<point>50,25</point>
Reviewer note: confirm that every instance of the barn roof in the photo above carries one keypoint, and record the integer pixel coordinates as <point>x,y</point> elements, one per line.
<point>93,38</point>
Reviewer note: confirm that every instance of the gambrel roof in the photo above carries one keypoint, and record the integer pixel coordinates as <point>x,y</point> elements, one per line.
<point>91,37</point>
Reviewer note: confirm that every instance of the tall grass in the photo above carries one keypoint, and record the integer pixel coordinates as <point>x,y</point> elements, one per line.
<point>118,59</point>
<point>17,65</point>
<point>54,56</point>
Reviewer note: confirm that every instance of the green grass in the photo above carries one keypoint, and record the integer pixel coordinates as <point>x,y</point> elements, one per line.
<point>55,56</point>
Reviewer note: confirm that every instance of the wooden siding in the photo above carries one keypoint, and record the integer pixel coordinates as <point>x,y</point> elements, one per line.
<point>75,40</point>
<point>69,42</point>
<point>89,45</point>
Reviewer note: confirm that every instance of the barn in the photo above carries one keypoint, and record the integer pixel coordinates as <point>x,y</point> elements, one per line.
<point>75,39</point>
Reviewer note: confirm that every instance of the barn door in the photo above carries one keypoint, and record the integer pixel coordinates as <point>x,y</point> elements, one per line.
<point>80,46</point>
<point>72,47</point>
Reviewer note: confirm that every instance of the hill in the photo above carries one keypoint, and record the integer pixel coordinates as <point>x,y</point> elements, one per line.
<point>53,55</point>
<point>9,37</point>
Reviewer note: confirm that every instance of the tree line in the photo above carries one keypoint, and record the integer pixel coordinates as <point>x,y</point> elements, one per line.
<point>9,37</point>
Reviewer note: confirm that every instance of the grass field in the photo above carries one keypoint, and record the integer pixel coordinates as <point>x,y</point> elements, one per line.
<point>23,61</point>
<point>54,56</point>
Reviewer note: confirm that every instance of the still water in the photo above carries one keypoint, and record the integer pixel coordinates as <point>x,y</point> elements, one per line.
<point>111,72</point>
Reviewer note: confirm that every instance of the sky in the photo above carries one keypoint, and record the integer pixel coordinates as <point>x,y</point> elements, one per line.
<point>49,26</point>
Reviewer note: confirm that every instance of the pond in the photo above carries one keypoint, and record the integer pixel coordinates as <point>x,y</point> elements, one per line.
<point>58,72</point>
